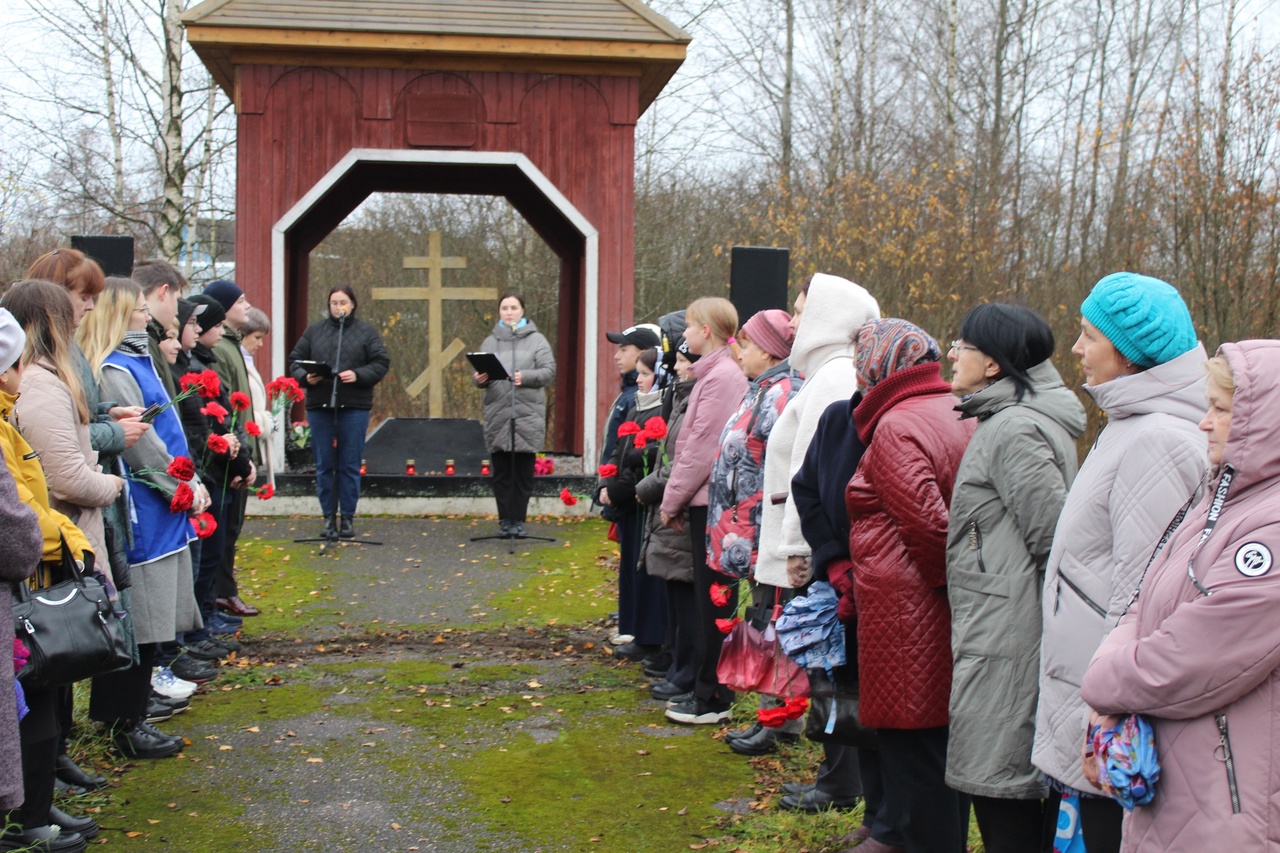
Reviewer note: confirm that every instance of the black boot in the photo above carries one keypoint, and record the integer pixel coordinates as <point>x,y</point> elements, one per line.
<point>330,527</point>
<point>345,530</point>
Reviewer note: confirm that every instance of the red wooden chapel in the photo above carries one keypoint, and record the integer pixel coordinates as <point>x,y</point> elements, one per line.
<point>533,100</point>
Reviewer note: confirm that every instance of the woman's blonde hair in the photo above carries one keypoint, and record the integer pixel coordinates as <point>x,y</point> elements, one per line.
<point>44,311</point>
<point>1219,370</point>
<point>104,327</point>
<point>715,312</point>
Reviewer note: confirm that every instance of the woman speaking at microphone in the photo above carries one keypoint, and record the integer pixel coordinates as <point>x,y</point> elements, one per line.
<point>515,420</point>
<point>338,404</point>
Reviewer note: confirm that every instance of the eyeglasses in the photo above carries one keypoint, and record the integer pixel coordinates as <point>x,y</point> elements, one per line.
<point>145,309</point>
<point>961,346</point>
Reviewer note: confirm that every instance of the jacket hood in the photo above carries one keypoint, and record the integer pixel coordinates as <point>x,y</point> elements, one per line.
<point>1173,388</point>
<point>834,309</point>
<point>1253,444</point>
<point>503,332</point>
<point>1051,398</point>
<point>704,365</point>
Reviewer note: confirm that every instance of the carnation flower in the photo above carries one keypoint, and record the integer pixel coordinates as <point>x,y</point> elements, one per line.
<point>253,429</point>
<point>607,471</point>
<point>240,401</point>
<point>204,525</point>
<point>181,468</point>
<point>567,497</point>
<point>720,594</point>
<point>183,498</point>
<point>266,492</point>
<point>628,428</point>
<point>726,625</point>
<point>218,444</point>
<point>655,428</point>
<point>640,441</point>
<point>214,410</point>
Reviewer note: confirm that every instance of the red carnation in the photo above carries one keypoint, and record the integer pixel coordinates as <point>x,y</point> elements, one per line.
<point>266,493</point>
<point>726,625</point>
<point>183,498</point>
<point>204,524</point>
<point>253,429</point>
<point>240,401</point>
<point>607,471</point>
<point>719,594</point>
<point>655,428</point>
<point>210,385</point>
<point>189,380</point>
<point>628,428</point>
<point>640,440</point>
<point>181,468</point>
<point>218,444</point>
<point>567,497</point>
<point>215,410</point>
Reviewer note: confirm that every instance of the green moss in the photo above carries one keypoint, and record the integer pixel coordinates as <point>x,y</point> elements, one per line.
<point>283,580</point>
<point>572,581</point>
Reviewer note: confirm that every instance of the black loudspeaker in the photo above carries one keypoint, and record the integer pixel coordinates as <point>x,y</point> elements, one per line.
<point>113,254</point>
<point>758,279</point>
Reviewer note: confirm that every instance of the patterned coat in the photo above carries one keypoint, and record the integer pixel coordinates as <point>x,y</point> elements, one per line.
<point>735,499</point>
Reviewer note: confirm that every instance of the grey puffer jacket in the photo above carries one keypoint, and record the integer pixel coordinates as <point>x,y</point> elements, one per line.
<point>525,351</point>
<point>1009,491</point>
<point>1145,465</point>
<point>666,553</point>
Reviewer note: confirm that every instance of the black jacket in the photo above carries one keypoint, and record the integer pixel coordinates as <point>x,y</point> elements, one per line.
<point>215,470</point>
<point>818,487</point>
<point>362,351</point>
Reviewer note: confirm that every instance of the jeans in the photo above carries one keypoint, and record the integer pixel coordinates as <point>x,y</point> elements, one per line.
<point>350,433</point>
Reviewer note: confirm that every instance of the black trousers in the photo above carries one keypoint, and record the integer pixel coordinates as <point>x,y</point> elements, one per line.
<point>642,600</point>
<point>513,484</point>
<point>224,582</point>
<point>39,738</point>
<point>122,696</point>
<point>877,814</point>
<point>707,687</point>
<point>931,817</point>
<point>1100,819</point>
<point>1017,826</point>
<point>682,634</point>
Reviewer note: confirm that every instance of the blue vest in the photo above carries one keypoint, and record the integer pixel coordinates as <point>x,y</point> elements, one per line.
<point>157,532</point>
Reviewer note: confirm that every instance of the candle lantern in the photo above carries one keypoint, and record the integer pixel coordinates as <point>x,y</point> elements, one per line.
<point>449,468</point>
<point>484,467</point>
<point>409,467</point>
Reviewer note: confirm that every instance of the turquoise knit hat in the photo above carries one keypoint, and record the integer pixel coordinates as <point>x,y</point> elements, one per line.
<point>1143,317</point>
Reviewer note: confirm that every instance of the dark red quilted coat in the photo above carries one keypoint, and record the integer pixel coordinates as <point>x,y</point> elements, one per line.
<point>897,504</point>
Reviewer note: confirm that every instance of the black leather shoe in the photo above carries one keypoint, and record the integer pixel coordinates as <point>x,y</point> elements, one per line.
<point>227,642</point>
<point>751,731</point>
<point>68,771</point>
<point>43,839</point>
<point>85,826</point>
<point>633,651</point>
<point>816,801</point>
<point>345,528</point>
<point>762,742</point>
<point>63,789</point>
<point>655,672</point>
<point>143,740</point>
<point>193,669</point>
<point>161,708</point>
<point>330,528</point>
<point>798,788</point>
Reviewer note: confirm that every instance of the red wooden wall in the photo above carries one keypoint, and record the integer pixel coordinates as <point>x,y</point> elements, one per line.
<point>296,123</point>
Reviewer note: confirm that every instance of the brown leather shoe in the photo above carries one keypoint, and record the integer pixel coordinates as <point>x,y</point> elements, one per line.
<point>870,845</point>
<point>236,606</point>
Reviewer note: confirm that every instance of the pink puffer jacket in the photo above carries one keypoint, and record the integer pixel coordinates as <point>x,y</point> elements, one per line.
<point>1205,668</point>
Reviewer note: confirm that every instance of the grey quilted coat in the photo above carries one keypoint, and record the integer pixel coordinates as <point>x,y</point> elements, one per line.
<point>525,350</point>
<point>666,553</point>
<point>1143,468</point>
<point>1009,491</point>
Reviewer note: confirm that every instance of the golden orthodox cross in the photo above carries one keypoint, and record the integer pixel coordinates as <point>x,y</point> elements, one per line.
<point>435,293</point>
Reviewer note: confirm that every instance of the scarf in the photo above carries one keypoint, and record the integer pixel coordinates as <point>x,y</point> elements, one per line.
<point>887,346</point>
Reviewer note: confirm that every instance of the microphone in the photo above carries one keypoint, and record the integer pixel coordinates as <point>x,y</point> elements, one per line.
<point>342,313</point>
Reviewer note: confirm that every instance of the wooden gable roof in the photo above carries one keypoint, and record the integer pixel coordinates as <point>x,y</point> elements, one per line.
<point>605,37</point>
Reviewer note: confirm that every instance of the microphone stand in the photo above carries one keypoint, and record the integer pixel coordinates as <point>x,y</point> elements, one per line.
<point>511,536</point>
<point>333,538</point>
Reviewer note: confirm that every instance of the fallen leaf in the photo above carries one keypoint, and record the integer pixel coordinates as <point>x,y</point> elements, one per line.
<point>315,761</point>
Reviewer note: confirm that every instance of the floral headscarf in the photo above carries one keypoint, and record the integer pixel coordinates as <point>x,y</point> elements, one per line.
<point>886,346</point>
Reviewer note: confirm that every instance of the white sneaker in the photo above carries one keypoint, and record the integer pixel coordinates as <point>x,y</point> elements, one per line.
<point>164,682</point>
<point>621,639</point>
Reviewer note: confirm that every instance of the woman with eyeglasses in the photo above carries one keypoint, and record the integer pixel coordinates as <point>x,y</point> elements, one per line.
<point>1009,491</point>
<point>1144,368</point>
<point>1198,652</point>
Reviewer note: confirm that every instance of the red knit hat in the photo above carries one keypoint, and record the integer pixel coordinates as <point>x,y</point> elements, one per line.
<point>771,330</point>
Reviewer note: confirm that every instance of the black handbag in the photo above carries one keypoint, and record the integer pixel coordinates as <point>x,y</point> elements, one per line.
<point>833,710</point>
<point>70,628</point>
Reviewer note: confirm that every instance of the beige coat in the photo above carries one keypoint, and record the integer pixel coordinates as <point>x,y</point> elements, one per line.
<point>49,419</point>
